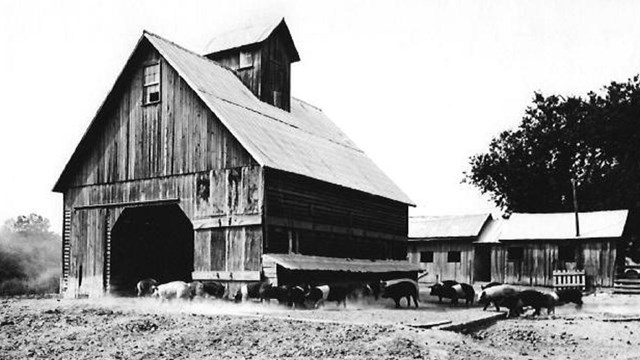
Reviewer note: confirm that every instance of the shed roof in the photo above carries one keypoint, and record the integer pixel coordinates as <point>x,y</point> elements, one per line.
<point>561,226</point>
<point>320,263</point>
<point>253,33</point>
<point>449,226</point>
<point>303,141</point>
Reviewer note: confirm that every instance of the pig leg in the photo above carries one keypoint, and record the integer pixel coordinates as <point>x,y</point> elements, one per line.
<point>397,300</point>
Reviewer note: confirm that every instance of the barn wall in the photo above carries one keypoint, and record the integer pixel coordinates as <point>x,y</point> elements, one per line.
<point>440,268</point>
<point>224,206</point>
<point>175,150</point>
<point>178,135</point>
<point>311,217</point>
<point>596,257</point>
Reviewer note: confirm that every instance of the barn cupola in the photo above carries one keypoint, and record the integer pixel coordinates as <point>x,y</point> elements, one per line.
<point>261,55</point>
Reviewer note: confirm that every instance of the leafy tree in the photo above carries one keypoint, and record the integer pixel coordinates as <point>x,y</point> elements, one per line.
<point>29,256</point>
<point>593,140</point>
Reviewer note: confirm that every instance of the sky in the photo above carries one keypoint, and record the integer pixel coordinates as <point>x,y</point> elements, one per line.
<point>420,86</point>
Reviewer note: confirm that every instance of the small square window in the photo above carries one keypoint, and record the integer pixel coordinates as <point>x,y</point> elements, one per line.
<point>426,256</point>
<point>151,84</point>
<point>515,254</point>
<point>567,253</point>
<point>246,59</point>
<point>453,257</point>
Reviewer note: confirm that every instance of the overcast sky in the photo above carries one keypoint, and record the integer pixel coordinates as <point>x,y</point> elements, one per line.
<point>420,86</point>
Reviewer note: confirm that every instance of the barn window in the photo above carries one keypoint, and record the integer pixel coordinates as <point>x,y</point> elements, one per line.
<point>515,254</point>
<point>453,257</point>
<point>426,256</point>
<point>246,60</point>
<point>567,253</point>
<point>151,85</point>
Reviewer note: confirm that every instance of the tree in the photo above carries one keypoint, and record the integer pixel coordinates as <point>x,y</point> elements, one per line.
<point>594,140</point>
<point>29,256</point>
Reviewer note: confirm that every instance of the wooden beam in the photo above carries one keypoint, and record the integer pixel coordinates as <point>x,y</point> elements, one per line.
<point>226,275</point>
<point>227,221</point>
<point>131,203</point>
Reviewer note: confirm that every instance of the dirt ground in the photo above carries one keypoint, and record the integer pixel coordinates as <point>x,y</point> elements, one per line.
<point>606,327</point>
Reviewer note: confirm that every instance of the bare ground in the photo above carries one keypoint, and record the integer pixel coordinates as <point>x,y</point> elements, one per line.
<point>144,329</point>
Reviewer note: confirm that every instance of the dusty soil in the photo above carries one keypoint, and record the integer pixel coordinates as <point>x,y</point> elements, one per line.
<point>144,329</point>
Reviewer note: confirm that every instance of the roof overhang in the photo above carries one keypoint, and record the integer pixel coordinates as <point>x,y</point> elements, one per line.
<point>320,263</point>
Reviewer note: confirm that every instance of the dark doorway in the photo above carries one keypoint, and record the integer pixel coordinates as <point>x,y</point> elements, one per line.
<point>150,242</point>
<point>482,263</point>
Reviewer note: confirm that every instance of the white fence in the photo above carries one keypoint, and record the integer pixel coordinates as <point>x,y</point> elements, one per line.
<point>568,279</point>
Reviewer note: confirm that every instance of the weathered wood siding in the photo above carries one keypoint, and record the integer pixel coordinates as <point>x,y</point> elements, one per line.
<point>441,268</point>
<point>178,135</point>
<point>276,74</point>
<point>311,217</point>
<point>176,150</point>
<point>540,259</point>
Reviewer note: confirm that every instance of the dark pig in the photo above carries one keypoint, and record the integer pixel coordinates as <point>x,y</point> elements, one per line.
<point>570,296</point>
<point>214,289</point>
<point>146,287</point>
<point>536,300</point>
<point>296,296</point>
<point>401,288</point>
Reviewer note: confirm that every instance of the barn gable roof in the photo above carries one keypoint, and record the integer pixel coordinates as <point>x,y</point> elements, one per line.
<point>303,142</point>
<point>450,226</point>
<point>253,33</point>
<point>561,226</point>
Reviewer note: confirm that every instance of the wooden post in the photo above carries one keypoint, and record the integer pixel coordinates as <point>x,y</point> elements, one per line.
<point>575,207</point>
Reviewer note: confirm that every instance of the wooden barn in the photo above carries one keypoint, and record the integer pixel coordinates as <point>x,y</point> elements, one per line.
<point>532,246</point>
<point>196,165</point>
<point>447,247</point>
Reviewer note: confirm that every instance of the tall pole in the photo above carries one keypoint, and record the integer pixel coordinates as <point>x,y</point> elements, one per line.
<point>575,207</point>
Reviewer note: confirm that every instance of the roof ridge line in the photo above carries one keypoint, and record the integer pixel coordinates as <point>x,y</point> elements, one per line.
<point>191,52</point>
<point>306,103</point>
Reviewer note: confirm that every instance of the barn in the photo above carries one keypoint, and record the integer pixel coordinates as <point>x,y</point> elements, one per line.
<point>532,246</point>
<point>451,247</point>
<point>195,166</point>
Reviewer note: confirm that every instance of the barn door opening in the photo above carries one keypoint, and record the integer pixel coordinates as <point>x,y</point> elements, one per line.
<point>482,263</point>
<point>150,242</point>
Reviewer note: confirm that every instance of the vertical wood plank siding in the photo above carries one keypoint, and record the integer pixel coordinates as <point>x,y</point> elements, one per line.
<point>175,149</point>
<point>460,271</point>
<point>597,257</point>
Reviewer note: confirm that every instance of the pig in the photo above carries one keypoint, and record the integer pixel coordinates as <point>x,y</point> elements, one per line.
<point>496,295</point>
<point>400,288</point>
<point>512,302</point>
<point>491,284</point>
<point>319,294</point>
<point>537,300</point>
<point>173,290</point>
<point>268,292</point>
<point>213,289</point>
<point>251,291</point>
<point>552,301</point>
<point>569,296</point>
<point>453,290</point>
<point>296,296</point>
<point>146,287</point>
